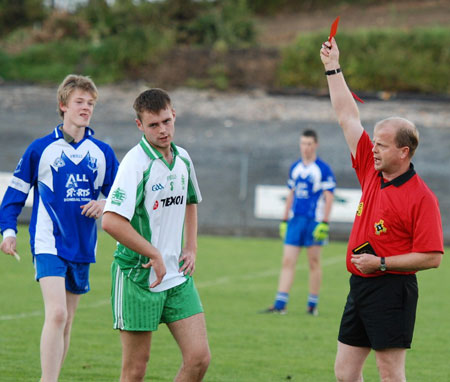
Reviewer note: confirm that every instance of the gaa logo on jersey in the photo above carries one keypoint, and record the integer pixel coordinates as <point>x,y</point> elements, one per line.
<point>157,187</point>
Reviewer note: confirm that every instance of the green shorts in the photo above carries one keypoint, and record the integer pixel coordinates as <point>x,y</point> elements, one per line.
<point>138,309</point>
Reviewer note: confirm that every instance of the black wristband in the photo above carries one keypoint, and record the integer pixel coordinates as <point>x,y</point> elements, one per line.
<point>334,71</point>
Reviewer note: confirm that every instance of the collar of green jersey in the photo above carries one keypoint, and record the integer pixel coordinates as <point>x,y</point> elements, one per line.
<point>153,153</point>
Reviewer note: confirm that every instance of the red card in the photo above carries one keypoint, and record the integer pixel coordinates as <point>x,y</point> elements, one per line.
<point>333,32</point>
<point>334,27</point>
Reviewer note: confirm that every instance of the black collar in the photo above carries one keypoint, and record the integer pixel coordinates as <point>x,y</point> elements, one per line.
<point>397,182</point>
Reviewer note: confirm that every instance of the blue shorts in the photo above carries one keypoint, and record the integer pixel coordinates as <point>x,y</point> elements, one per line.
<point>75,274</point>
<point>300,232</point>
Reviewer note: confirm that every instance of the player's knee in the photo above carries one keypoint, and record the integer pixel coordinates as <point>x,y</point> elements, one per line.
<point>136,362</point>
<point>203,360</point>
<point>198,361</point>
<point>289,262</point>
<point>206,359</point>
<point>314,265</point>
<point>135,371</point>
<point>57,316</point>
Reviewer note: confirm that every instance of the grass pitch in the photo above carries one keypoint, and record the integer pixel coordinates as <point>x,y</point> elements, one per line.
<point>236,277</point>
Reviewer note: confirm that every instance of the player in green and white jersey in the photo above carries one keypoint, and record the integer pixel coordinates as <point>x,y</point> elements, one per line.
<point>152,207</point>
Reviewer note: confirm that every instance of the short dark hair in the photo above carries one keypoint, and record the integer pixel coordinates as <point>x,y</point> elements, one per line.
<point>310,133</point>
<point>152,100</point>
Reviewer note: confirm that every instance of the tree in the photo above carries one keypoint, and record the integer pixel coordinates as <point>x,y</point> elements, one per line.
<point>18,13</point>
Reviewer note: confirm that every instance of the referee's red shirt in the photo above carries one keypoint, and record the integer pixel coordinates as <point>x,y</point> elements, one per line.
<point>396,217</point>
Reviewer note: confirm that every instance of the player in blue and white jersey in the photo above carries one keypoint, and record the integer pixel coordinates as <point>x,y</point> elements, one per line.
<point>67,169</point>
<point>305,222</point>
<point>152,213</point>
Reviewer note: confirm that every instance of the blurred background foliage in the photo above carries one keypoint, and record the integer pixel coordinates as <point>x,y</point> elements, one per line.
<point>206,43</point>
<point>388,59</point>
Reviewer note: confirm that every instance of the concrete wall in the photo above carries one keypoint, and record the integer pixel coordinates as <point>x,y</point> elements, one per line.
<point>237,141</point>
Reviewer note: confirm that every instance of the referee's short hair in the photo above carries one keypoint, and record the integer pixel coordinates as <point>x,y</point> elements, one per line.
<point>406,134</point>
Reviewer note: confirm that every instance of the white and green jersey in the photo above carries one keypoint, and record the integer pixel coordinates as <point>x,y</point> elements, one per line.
<point>153,195</point>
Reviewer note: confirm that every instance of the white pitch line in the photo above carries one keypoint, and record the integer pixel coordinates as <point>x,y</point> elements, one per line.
<point>21,315</point>
<point>41,312</point>
<point>267,273</point>
<point>218,281</point>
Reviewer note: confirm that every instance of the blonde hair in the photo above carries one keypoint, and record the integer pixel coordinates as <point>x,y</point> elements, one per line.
<point>69,85</point>
<point>406,134</point>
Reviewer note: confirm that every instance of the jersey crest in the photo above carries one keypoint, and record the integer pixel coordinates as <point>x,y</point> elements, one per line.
<point>92,163</point>
<point>118,196</point>
<point>380,227</point>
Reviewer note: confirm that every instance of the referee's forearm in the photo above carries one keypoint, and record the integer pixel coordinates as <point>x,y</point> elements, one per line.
<point>414,261</point>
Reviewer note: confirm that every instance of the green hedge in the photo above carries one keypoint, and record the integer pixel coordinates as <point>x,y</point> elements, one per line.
<point>108,60</point>
<point>113,42</point>
<point>372,60</point>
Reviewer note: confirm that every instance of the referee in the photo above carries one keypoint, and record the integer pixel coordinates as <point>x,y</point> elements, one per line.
<point>397,231</point>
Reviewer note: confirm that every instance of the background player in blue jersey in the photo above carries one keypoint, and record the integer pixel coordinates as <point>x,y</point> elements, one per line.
<point>67,169</point>
<point>308,206</point>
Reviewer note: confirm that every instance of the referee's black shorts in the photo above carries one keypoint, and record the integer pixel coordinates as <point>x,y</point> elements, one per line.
<point>380,312</point>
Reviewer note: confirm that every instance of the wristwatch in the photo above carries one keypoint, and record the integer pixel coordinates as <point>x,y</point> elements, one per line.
<point>382,264</point>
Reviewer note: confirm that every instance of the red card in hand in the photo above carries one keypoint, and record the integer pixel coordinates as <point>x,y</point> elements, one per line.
<point>333,30</point>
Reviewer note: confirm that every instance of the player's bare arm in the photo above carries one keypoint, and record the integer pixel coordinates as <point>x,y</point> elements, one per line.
<point>329,198</point>
<point>288,204</point>
<point>93,209</point>
<point>341,98</point>
<point>414,261</point>
<point>189,253</point>
<point>121,230</point>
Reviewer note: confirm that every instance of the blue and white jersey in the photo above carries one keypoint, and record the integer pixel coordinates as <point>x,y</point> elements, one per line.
<point>64,176</point>
<point>309,182</point>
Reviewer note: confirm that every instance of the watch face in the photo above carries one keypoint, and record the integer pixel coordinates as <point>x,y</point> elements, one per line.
<point>382,264</point>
